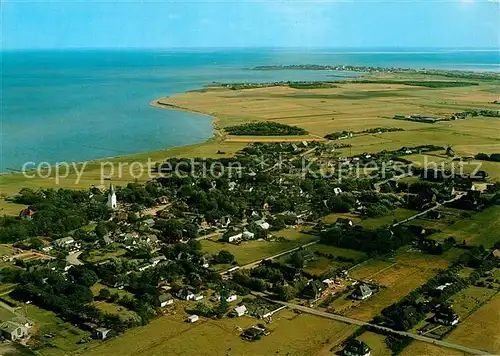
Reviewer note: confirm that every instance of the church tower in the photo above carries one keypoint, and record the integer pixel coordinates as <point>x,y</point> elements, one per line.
<point>112,197</point>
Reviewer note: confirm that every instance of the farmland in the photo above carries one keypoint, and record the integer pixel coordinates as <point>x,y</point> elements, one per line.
<point>292,333</point>
<point>481,229</point>
<point>397,277</point>
<point>485,337</point>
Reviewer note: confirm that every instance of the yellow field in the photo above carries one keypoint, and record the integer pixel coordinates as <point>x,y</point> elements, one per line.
<point>398,277</point>
<point>480,330</point>
<point>291,334</point>
<point>420,348</point>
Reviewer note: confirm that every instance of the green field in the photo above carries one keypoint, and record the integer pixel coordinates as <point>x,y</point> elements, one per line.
<point>480,330</point>
<point>481,229</point>
<point>251,251</point>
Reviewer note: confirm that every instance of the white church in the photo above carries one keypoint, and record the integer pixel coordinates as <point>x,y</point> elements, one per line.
<point>111,197</point>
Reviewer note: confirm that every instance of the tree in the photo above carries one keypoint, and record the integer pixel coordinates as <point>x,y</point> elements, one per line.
<point>225,257</point>
<point>104,294</point>
<point>83,275</point>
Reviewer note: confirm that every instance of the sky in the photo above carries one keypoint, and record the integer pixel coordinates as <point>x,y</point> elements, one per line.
<point>36,24</point>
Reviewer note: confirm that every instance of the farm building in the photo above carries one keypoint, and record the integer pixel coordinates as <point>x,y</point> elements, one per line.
<point>356,348</point>
<point>240,311</point>
<point>165,299</point>
<point>362,292</point>
<point>446,316</point>
<point>13,330</point>
<point>193,318</point>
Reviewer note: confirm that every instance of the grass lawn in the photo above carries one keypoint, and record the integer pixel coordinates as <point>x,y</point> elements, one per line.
<point>105,253</point>
<point>331,218</point>
<point>169,335</point>
<point>98,286</point>
<point>66,337</point>
<point>480,330</point>
<point>376,342</point>
<point>398,215</point>
<point>112,308</point>
<point>420,348</point>
<point>466,301</point>
<point>397,276</point>
<point>481,229</point>
<point>250,251</point>
<point>6,250</point>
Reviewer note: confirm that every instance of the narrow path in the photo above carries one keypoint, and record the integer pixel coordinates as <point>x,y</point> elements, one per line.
<point>256,263</point>
<point>438,205</point>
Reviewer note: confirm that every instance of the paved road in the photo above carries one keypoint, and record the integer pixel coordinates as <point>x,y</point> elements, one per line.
<point>352,321</point>
<point>458,196</point>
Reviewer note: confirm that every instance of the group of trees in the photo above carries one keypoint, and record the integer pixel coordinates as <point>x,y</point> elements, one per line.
<point>265,128</point>
<point>494,157</point>
<point>410,310</point>
<point>56,212</point>
<point>374,242</point>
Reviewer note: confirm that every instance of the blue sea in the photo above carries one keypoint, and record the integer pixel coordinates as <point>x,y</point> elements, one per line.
<point>78,105</point>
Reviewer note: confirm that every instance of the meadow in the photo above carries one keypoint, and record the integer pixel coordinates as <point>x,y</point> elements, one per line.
<point>397,276</point>
<point>291,333</point>
<point>480,330</point>
<point>481,229</point>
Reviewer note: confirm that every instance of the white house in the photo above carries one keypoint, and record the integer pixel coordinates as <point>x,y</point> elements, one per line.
<point>247,235</point>
<point>337,190</point>
<point>165,299</point>
<point>262,224</point>
<point>231,297</point>
<point>198,297</point>
<point>235,237</point>
<point>185,294</point>
<point>111,197</point>
<point>240,311</point>
<point>193,318</point>
<point>362,292</point>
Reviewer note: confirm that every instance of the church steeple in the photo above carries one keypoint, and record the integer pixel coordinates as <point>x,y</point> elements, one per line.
<point>111,197</point>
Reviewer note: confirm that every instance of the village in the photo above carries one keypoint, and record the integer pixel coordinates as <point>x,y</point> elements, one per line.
<point>194,246</point>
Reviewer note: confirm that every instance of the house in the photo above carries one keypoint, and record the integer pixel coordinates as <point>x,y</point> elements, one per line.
<point>197,297</point>
<point>107,239</point>
<point>230,298</point>
<point>27,213</point>
<point>446,316</point>
<point>145,266</point>
<point>165,299</point>
<point>102,333</point>
<point>193,318</point>
<point>64,242</point>
<point>225,221</point>
<point>235,237</point>
<point>356,347</point>
<point>337,190</point>
<point>254,333</point>
<point>262,224</point>
<point>362,292</point>
<point>240,311</point>
<point>13,330</point>
<point>158,259</point>
<point>247,235</point>
<point>434,214</point>
<point>162,200</point>
<point>185,294</point>
<point>149,222</point>
<point>204,262</point>
<point>313,290</point>
<point>343,222</point>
